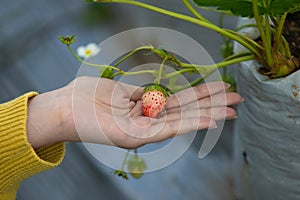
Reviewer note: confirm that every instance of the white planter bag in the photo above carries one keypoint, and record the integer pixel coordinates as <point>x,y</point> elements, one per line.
<point>267,136</point>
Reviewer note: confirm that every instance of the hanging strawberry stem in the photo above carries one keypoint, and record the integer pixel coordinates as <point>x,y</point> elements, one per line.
<point>121,171</point>
<point>161,71</point>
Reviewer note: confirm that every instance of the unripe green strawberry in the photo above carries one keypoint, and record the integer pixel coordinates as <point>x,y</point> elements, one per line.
<point>136,166</point>
<point>154,100</point>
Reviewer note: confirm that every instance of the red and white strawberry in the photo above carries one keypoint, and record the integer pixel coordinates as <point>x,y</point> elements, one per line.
<point>154,100</point>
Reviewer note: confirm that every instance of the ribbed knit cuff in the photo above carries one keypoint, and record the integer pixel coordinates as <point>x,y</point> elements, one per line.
<point>18,160</point>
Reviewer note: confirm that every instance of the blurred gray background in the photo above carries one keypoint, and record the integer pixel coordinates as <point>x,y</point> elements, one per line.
<point>32,58</point>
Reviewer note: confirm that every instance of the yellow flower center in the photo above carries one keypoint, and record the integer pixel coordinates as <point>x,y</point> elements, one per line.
<point>88,52</point>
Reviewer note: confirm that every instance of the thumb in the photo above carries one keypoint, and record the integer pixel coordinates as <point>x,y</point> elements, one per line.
<point>134,92</point>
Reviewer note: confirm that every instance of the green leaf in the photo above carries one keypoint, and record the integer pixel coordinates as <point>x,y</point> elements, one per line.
<point>237,7</point>
<point>121,173</point>
<point>244,7</point>
<point>282,6</point>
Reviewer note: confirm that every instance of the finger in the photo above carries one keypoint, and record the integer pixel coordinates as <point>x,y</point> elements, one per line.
<point>135,92</point>
<point>194,93</point>
<point>179,127</point>
<point>216,113</point>
<point>131,92</point>
<point>136,110</point>
<point>223,99</point>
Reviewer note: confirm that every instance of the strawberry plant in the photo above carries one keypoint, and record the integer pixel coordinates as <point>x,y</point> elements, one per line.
<point>272,51</point>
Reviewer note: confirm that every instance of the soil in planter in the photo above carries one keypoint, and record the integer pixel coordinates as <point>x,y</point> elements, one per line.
<point>292,33</point>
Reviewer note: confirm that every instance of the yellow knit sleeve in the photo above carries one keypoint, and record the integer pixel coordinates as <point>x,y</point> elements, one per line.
<point>18,160</point>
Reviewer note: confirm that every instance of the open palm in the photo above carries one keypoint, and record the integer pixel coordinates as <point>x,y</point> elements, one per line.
<point>110,112</point>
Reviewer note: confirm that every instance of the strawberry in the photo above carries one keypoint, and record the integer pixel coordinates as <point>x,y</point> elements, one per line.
<point>136,166</point>
<point>154,100</point>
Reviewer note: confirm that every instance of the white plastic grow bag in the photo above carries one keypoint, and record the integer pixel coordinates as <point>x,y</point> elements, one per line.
<point>267,136</point>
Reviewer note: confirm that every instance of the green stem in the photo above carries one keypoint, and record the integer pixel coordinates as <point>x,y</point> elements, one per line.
<point>189,19</point>
<point>207,69</point>
<point>179,72</point>
<point>193,11</point>
<point>287,50</point>
<point>238,55</point>
<point>153,72</point>
<point>261,31</point>
<point>249,40</point>
<point>90,64</point>
<point>172,82</point>
<point>161,70</point>
<point>117,73</point>
<point>124,160</point>
<point>147,47</point>
<point>281,45</point>
<point>228,62</point>
<point>199,80</point>
<point>218,66</point>
<point>258,19</point>
<point>279,28</point>
<point>193,83</point>
<point>269,40</point>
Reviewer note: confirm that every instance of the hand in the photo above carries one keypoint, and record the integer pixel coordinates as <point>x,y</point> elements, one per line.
<point>108,112</point>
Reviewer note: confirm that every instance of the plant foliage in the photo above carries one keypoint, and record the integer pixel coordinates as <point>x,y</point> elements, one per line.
<point>244,8</point>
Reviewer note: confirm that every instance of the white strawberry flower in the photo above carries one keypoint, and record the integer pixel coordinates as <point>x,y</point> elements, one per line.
<point>88,51</point>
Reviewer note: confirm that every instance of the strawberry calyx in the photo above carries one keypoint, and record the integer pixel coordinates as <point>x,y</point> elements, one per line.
<point>156,87</point>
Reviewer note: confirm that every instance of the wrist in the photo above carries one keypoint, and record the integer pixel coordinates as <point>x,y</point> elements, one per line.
<point>49,118</point>
<point>67,122</point>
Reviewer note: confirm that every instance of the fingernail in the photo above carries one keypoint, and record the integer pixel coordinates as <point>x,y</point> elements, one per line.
<point>213,126</point>
<point>242,100</point>
<point>232,118</point>
<point>227,85</point>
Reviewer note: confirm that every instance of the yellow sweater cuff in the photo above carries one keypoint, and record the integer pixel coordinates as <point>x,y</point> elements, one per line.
<point>18,160</point>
